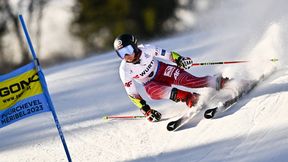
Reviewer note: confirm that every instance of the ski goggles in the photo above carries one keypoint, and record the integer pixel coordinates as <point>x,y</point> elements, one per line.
<point>125,50</point>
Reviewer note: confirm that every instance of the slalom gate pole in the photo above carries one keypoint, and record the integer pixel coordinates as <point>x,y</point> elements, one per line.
<point>44,86</point>
<point>123,117</point>
<point>225,62</point>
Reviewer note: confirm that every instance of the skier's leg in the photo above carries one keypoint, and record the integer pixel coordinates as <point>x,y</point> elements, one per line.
<point>157,90</point>
<point>188,80</point>
<point>220,81</point>
<point>160,87</point>
<point>191,99</point>
<point>170,74</point>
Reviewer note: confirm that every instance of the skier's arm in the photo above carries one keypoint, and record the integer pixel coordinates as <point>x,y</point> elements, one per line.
<point>131,90</point>
<point>182,62</point>
<point>151,115</point>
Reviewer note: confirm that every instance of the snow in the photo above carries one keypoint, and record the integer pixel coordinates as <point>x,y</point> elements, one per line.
<point>255,129</point>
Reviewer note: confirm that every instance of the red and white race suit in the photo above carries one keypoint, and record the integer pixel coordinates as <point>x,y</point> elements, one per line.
<point>156,76</point>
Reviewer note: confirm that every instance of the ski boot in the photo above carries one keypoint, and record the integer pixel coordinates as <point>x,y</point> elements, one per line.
<point>220,82</point>
<point>189,98</point>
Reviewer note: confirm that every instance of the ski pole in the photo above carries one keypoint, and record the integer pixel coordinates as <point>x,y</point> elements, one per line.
<point>123,117</point>
<point>225,62</point>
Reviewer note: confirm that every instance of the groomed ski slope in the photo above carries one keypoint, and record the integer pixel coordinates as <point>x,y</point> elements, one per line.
<point>255,129</point>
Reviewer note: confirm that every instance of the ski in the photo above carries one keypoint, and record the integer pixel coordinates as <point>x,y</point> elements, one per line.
<point>224,106</point>
<point>211,112</point>
<point>185,118</point>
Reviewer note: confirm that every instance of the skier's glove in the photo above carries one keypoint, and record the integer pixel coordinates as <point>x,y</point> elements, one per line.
<point>182,62</point>
<point>150,114</point>
<point>153,115</point>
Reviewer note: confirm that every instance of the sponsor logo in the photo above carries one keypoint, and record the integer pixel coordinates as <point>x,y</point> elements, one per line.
<point>118,44</point>
<point>128,84</point>
<point>176,74</point>
<point>148,68</point>
<point>16,87</point>
<point>163,52</point>
<point>136,77</point>
<point>157,51</point>
<point>169,71</point>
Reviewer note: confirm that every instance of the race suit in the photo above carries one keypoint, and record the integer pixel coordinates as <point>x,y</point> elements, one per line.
<point>157,76</point>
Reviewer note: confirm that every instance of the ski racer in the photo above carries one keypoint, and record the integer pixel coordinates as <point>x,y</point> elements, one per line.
<point>141,64</point>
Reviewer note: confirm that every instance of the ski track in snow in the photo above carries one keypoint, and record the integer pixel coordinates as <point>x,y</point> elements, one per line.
<point>254,129</point>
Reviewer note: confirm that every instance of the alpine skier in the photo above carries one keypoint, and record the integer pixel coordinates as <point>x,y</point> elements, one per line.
<point>141,64</point>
